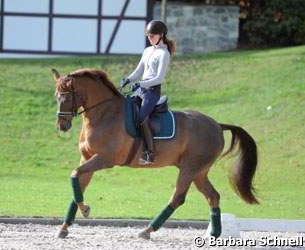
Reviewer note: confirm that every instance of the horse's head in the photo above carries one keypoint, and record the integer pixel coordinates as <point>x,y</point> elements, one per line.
<point>68,101</point>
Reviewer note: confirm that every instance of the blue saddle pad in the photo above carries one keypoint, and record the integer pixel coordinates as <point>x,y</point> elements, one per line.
<point>167,122</point>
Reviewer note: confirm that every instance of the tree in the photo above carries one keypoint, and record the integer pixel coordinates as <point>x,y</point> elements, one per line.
<point>273,22</point>
<point>163,10</point>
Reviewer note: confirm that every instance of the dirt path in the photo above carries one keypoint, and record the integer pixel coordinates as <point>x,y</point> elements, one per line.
<point>33,236</point>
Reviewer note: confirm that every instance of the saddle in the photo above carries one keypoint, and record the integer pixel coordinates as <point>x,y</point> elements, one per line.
<point>161,120</point>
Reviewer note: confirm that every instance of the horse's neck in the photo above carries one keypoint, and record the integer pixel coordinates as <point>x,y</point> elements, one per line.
<point>107,112</point>
<point>99,100</point>
<point>96,93</point>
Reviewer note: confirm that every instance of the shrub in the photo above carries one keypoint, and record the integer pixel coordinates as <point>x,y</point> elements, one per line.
<point>273,22</point>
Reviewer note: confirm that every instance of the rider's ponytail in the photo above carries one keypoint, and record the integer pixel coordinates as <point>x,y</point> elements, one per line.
<point>171,44</point>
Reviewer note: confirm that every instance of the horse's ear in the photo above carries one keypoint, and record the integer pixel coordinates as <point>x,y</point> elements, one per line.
<point>56,75</point>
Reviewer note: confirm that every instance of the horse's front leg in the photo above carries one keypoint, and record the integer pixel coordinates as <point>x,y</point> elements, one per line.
<point>72,209</point>
<point>78,182</point>
<point>81,176</point>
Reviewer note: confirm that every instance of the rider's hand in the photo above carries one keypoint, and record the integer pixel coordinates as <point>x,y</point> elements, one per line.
<point>124,82</point>
<point>135,86</point>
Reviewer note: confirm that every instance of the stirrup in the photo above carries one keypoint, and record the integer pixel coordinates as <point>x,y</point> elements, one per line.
<point>146,158</point>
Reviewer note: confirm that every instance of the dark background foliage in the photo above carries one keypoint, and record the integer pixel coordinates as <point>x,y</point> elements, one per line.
<point>272,22</point>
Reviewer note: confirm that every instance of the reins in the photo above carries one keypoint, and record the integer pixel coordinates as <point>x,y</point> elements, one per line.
<point>94,106</point>
<point>74,112</point>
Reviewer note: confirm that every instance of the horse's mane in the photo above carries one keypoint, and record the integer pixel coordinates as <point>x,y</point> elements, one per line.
<point>100,75</point>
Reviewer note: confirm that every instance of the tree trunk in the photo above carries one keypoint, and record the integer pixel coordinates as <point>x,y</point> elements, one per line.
<point>163,10</point>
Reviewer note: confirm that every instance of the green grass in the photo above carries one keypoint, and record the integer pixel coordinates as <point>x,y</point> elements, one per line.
<point>263,91</point>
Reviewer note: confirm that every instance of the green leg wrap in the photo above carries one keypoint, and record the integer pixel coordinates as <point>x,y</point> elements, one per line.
<point>70,217</point>
<point>215,222</point>
<point>158,221</point>
<point>77,192</point>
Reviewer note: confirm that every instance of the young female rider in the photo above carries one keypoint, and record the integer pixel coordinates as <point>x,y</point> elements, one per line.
<point>152,67</point>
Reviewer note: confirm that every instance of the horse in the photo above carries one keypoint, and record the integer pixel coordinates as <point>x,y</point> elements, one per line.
<point>104,143</point>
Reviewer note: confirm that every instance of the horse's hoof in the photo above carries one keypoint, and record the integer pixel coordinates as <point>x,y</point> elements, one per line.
<point>62,234</point>
<point>86,211</point>
<point>144,235</point>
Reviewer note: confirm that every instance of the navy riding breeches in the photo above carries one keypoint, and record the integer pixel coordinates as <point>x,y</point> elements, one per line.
<point>148,100</point>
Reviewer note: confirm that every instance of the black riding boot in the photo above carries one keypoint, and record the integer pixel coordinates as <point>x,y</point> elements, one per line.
<point>147,156</point>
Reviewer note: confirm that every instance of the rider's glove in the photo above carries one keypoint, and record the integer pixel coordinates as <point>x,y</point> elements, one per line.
<point>135,86</point>
<point>124,82</point>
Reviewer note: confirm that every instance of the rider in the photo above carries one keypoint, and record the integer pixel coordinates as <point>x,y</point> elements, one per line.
<point>152,67</point>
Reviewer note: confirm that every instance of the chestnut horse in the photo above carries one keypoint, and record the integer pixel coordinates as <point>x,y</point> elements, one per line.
<point>104,143</point>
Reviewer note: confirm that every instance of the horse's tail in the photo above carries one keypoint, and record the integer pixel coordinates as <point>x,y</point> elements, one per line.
<point>242,173</point>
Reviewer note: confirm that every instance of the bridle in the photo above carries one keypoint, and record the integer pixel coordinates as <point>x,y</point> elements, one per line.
<point>74,110</point>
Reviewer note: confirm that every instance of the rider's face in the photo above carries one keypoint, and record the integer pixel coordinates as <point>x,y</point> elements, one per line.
<point>154,38</point>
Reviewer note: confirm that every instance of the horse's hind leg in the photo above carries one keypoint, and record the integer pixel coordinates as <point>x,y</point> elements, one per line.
<point>183,183</point>
<point>204,186</point>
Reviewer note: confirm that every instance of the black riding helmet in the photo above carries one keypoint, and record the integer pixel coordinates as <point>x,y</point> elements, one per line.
<point>156,27</point>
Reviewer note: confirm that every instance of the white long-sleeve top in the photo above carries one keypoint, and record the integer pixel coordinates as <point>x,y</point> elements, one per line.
<point>152,66</point>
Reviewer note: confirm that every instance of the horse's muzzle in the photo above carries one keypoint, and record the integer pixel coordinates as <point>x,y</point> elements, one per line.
<point>63,125</point>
